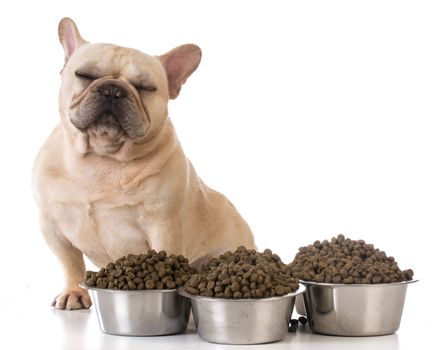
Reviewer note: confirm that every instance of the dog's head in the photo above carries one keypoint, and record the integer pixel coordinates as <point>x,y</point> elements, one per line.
<point>112,95</point>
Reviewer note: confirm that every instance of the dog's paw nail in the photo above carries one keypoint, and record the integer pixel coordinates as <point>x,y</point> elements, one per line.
<point>72,300</point>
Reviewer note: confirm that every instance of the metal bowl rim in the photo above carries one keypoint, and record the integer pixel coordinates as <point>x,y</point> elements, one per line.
<point>356,285</point>
<point>300,290</point>
<point>145,291</point>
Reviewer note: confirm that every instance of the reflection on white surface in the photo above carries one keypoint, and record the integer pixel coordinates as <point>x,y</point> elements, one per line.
<point>305,339</point>
<point>26,320</point>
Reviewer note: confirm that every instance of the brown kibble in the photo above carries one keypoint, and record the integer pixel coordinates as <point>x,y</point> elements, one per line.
<point>279,290</point>
<point>192,290</point>
<point>245,282</point>
<point>235,286</point>
<point>218,289</point>
<point>127,262</point>
<point>244,274</point>
<point>408,274</point>
<point>343,260</point>
<point>336,279</point>
<point>245,288</point>
<point>171,285</point>
<point>91,281</point>
<point>167,278</point>
<point>223,276</point>
<point>150,284</point>
<point>237,295</point>
<point>306,277</point>
<point>211,277</point>
<point>143,271</point>
<point>377,279</point>
<point>207,293</point>
<point>348,280</point>
<point>228,292</point>
<point>259,293</point>
<point>319,278</point>
<point>194,281</point>
<point>102,283</point>
<point>386,279</point>
<point>185,278</point>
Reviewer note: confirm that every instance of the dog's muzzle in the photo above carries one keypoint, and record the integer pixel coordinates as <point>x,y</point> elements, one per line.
<point>111,104</point>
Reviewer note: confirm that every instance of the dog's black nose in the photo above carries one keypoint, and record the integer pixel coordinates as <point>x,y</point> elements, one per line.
<point>112,90</point>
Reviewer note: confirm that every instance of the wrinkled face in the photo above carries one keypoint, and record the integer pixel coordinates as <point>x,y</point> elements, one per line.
<point>113,99</point>
<point>113,94</point>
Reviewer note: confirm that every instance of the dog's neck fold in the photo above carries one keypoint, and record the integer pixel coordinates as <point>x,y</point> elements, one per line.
<point>159,145</point>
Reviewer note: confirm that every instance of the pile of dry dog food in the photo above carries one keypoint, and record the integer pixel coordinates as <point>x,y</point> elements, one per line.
<point>343,260</point>
<point>243,274</point>
<point>145,271</point>
<point>249,274</point>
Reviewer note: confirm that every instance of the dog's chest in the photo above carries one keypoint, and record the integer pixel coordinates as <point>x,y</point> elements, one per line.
<point>104,230</point>
<point>108,213</point>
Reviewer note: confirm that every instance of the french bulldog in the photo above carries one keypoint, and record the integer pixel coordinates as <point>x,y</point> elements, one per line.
<point>112,178</point>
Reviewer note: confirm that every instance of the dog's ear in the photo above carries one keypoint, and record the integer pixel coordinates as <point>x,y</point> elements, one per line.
<point>179,63</point>
<point>69,37</point>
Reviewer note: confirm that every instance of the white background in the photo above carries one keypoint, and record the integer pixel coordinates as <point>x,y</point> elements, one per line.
<point>314,117</point>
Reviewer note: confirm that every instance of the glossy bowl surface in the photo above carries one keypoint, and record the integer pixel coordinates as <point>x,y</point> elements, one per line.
<point>355,309</point>
<point>242,321</point>
<point>140,312</point>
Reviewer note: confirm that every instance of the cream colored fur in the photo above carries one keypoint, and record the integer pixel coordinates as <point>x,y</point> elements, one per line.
<point>106,196</point>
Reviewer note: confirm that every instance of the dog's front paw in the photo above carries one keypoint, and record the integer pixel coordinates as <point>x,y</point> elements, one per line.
<point>72,299</point>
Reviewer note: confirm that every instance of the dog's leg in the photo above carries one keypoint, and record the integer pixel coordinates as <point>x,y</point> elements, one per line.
<point>73,297</point>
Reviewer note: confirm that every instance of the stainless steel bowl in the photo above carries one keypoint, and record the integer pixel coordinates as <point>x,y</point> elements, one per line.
<point>242,321</point>
<point>355,309</point>
<point>140,312</point>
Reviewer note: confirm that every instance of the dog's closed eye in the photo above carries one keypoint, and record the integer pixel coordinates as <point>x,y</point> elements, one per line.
<point>84,75</point>
<point>144,87</point>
